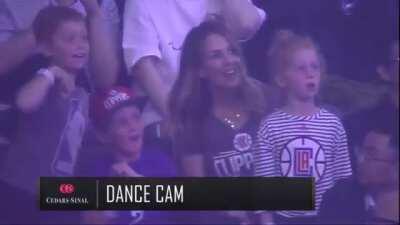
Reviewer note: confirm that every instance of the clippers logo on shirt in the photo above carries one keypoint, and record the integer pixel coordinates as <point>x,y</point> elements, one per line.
<point>303,157</point>
<point>238,162</point>
<point>242,142</point>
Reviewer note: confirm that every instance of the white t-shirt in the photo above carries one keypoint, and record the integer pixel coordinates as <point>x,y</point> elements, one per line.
<point>303,146</point>
<point>158,28</point>
<point>18,15</point>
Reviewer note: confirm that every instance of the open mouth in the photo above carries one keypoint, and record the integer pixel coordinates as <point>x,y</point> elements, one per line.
<point>230,72</point>
<point>135,137</point>
<point>311,86</point>
<point>79,55</point>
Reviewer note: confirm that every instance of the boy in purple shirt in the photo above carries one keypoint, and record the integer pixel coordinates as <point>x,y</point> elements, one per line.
<point>115,148</point>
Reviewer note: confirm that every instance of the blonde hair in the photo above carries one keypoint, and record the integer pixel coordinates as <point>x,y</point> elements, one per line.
<point>284,44</point>
<point>191,100</point>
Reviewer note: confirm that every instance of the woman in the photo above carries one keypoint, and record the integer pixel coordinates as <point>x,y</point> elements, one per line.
<point>215,108</point>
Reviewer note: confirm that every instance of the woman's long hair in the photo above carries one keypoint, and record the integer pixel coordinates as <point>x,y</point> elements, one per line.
<point>191,99</point>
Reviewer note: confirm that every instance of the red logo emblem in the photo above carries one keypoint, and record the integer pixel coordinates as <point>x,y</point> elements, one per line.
<point>302,159</point>
<point>66,188</point>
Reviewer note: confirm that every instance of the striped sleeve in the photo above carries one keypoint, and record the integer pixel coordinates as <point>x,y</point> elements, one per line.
<point>263,154</point>
<point>342,157</point>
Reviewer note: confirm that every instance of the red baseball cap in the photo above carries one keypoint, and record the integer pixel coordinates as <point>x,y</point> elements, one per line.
<point>104,103</point>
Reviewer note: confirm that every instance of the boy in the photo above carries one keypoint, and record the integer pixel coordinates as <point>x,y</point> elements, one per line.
<point>54,109</point>
<point>117,133</point>
<point>115,149</point>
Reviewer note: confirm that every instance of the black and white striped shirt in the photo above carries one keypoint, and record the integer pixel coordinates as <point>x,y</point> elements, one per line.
<point>298,146</point>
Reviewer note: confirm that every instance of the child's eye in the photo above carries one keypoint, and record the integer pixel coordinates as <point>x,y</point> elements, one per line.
<point>69,38</point>
<point>121,123</point>
<point>124,125</point>
<point>315,66</point>
<point>301,68</point>
<point>85,37</point>
<point>233,51</point>
<point>215,54</point>
<point>135,116</point>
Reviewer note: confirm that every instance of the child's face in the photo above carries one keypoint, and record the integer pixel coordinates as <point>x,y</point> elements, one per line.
<point>126,131</point>
<point>69,47</point>
<point>301,78</point>
<point>222,65</point>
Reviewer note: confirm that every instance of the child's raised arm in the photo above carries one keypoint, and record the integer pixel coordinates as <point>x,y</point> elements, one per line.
<point>104,59</point>
<point>32,95</point>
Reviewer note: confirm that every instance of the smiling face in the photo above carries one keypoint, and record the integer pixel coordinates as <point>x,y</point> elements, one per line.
<point>126,131</point>
<point>222,65</point>
<point>69,46</point>
<point>301,78</point>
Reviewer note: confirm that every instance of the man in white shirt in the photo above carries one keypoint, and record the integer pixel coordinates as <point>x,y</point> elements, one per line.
<point>154,32</point>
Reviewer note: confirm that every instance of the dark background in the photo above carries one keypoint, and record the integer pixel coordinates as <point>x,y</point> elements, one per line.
<point>352,44</point>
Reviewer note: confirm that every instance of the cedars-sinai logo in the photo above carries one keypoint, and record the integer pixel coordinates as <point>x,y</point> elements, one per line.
<point>66,188</point>
<point>68,197</point>
<point>57,193</point>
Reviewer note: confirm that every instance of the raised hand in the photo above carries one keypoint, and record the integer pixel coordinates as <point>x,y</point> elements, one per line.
<point>64,81</point>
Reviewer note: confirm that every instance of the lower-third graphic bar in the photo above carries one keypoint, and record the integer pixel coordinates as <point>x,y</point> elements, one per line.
<point>244,193</point>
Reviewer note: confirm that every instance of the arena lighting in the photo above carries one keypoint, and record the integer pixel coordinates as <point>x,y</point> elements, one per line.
<point>348,6</point>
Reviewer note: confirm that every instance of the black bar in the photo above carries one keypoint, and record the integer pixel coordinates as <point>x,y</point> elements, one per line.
<point>242,193</point>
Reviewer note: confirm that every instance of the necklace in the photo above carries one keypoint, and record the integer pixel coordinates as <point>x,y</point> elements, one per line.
<point>232,122</point>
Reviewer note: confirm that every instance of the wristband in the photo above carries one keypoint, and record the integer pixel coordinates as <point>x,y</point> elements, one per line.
<point>47,74</point>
